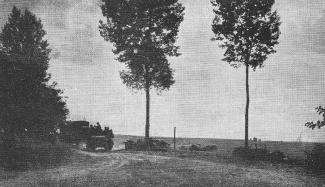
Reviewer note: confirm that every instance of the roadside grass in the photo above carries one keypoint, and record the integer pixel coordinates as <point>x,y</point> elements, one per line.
<point>215,156</point>
<point>33,155</point>
<point>293,169</point>
<point>296,166</point>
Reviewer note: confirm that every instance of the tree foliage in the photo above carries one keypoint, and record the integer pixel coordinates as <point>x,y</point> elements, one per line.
<point>22,39</point>
<point>248,29</point>
<point>28,103</point>
<point>143,34</point>
<point>321,111</point>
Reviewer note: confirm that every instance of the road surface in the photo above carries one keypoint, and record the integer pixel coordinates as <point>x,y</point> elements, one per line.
<point>140,169</point>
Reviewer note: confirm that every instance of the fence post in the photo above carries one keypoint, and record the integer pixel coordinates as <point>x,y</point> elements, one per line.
<point>174,138</point>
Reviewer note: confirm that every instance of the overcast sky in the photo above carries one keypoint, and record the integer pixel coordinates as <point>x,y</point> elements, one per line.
<point>208,98</point>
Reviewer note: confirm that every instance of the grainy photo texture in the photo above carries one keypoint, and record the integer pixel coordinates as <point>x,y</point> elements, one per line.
<point>162,93</point>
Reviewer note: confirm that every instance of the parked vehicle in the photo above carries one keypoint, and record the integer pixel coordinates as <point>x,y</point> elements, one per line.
<point>96,143</point>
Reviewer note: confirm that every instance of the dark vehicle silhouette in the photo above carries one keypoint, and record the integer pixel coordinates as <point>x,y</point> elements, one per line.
<point>99,143</point>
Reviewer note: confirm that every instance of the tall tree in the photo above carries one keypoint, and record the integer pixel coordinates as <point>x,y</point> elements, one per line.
<point>249,30</point>
<point>144,34</point>
<point>28,103</point>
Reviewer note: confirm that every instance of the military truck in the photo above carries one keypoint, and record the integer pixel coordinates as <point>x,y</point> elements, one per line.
<point>99,143</point>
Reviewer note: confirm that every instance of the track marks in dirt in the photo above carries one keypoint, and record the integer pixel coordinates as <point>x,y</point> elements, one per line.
<point>117,160</point>
<point>141,169</point>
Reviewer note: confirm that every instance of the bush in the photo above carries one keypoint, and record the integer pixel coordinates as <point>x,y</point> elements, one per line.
<point>277,156</point>
<point>209,148</point>
<point>206,148</point>
<point>147,145</point>
<point>33,155</point>
<point>158,145</point>
<point>194,148</point>
<point>315,160</point>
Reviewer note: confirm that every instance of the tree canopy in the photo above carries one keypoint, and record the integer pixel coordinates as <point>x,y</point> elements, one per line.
<point>143,34</point>
<point>29,104</point>
<point>248,29</point>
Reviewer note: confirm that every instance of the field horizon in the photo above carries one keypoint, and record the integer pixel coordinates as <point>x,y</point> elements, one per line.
<point>294,150</point>
<point>181,137</point>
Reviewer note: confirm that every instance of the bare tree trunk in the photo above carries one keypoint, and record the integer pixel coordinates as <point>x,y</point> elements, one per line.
<point>247,107</point>
<point>147,111</point>
<point>147,106</point>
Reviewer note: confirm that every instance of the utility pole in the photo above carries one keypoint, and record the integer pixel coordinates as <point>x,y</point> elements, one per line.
<point>174,138</point>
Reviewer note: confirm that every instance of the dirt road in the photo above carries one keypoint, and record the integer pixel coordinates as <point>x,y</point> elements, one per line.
<point>140,169</point>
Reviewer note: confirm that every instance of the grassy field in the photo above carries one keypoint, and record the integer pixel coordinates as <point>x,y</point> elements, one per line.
<point>295,150</point>
<point>171,168</point>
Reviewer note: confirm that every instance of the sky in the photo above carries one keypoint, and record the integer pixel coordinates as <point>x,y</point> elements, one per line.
<point>208,98</point>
